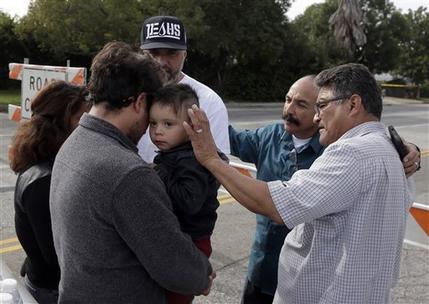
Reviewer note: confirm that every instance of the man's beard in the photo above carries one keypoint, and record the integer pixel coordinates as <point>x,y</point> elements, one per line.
<point>136,132</point>
<point>172,76</point>
<point>291,119</point>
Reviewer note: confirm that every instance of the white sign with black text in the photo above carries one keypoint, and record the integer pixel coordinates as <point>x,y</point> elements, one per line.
<point>33,81</point>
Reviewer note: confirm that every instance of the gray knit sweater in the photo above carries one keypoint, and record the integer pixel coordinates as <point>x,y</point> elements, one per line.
<point>116,237</point>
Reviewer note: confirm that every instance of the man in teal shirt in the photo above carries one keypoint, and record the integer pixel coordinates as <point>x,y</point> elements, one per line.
<point>277,151</point>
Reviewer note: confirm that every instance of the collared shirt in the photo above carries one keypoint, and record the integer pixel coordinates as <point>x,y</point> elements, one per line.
<point>349,211</point>
<point>272,151</point>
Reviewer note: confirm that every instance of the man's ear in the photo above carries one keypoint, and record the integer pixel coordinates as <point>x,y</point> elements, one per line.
<point>356,105</point>
<point>140,103</point>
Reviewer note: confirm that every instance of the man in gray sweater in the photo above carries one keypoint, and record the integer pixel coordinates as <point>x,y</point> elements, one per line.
<point>116,237</point>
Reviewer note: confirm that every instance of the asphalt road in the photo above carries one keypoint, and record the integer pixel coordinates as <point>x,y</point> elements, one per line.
<point>234,229</point>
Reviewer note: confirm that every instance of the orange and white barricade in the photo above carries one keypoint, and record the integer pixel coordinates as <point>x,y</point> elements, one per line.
<point>34,77</point>
<point>74,75</point>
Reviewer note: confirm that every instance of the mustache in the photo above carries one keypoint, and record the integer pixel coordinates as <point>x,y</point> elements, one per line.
<point>291,119</point>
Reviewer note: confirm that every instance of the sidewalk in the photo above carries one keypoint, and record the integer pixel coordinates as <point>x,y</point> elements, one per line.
<point>413,284</point>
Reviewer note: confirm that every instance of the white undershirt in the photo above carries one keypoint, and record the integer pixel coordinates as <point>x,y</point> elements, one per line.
<point>299,142</point>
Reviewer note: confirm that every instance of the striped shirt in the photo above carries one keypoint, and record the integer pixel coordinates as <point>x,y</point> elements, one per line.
<point>349,211</point>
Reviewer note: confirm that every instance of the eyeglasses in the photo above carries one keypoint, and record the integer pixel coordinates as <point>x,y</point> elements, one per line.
<point>319,106</point>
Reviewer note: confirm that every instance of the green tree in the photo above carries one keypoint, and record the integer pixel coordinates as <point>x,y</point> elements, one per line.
<point>80,27</point>
<point>244,49</point>
<point>414,57</point>
<point>314,26</point>
<point>383,26</point>
<point>241,41</point>
<point>384,29</point>
<point>262,79</point>
<point>77,29</point>
<point>11,48</point>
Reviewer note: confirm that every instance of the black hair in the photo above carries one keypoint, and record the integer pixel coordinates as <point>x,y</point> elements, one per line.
<point>179,96</point>
<point>353,78</point>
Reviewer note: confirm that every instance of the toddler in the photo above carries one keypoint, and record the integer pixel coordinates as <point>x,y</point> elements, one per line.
<point>191,187</point>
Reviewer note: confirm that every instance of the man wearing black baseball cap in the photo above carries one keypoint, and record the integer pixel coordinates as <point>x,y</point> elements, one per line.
<point>164,38</point>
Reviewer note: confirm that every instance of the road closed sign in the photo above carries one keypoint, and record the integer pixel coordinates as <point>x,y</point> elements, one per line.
<point>32,83</point>
<point>35,77</point>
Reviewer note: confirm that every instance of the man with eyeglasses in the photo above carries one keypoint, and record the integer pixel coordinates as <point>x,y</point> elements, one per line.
<point>348,211</point>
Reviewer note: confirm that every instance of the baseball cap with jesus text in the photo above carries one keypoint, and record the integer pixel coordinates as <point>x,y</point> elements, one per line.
<point>163,32</point>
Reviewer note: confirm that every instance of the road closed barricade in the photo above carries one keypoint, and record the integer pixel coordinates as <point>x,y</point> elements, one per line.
<point>34,78</point>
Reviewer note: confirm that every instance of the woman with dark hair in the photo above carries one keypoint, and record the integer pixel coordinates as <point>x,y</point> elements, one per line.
<point>56,112</point>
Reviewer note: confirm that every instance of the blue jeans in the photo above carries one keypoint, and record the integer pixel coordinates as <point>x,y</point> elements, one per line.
<point>41,295</point>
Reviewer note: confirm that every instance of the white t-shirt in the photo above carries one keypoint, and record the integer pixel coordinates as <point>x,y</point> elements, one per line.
<point>216,112</point>
<point>298,142</point>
